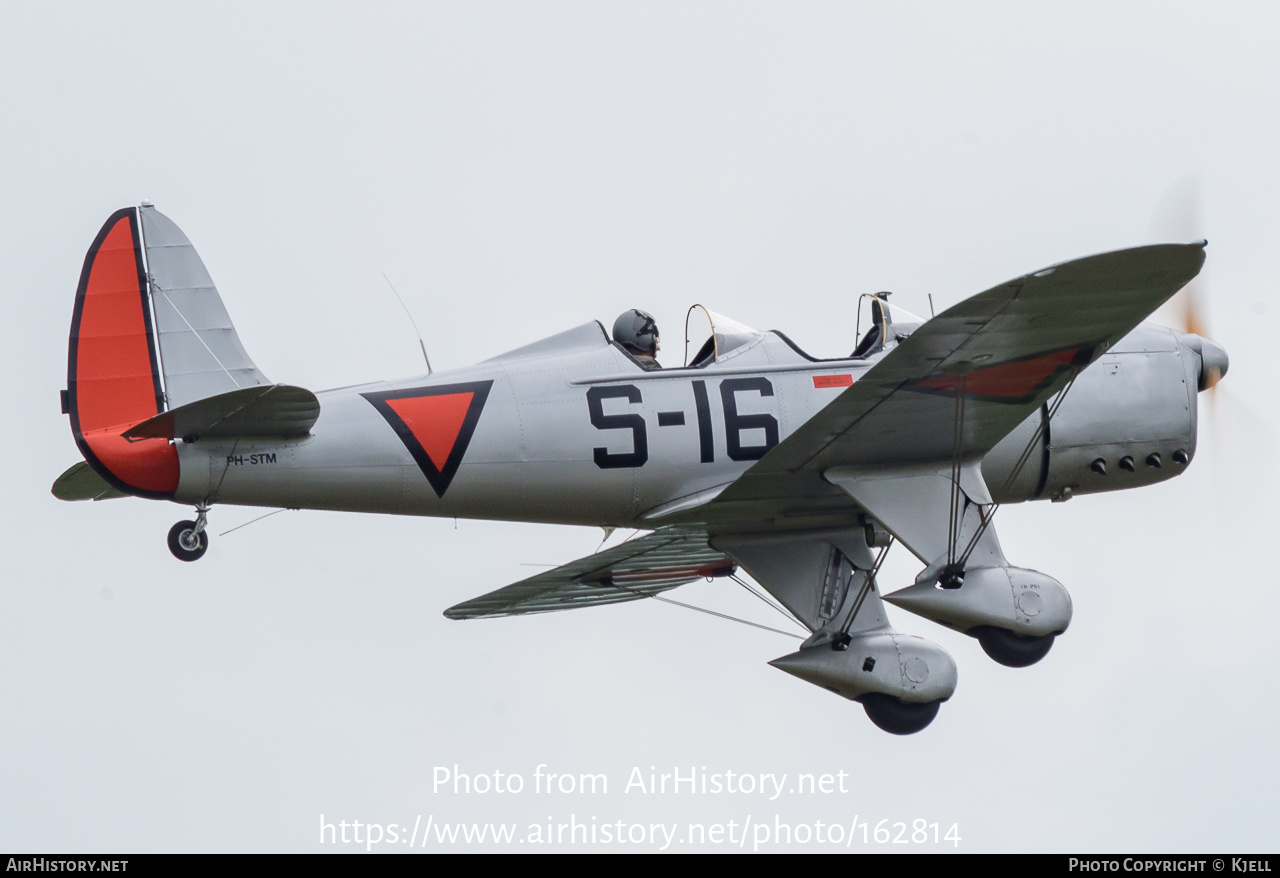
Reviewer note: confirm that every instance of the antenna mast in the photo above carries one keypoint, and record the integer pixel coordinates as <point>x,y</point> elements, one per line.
<point>421,344</point>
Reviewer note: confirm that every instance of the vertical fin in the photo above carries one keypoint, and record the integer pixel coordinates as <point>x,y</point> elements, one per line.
<point>199,349</point>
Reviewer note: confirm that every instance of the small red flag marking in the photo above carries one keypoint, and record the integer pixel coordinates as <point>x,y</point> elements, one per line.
<point>845,380</point>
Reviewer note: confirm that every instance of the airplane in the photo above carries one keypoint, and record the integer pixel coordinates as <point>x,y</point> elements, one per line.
<point>755,455</point>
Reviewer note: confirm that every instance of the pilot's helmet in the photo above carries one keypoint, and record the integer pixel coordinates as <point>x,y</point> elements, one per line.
<point>636,331</point>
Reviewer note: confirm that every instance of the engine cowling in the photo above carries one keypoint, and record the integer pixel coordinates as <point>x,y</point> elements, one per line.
<point>1129,420</point>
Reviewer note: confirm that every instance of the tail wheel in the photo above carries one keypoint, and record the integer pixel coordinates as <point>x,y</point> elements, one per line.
<point>186,542</point>
<point>1012,650</point>
<point>898,717</point>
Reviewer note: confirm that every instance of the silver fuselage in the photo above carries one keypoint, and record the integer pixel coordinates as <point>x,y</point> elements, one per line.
<point>573,431</point>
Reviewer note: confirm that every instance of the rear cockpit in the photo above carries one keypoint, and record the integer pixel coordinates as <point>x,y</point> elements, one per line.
<point>889,325</point>
<point>728,339</point>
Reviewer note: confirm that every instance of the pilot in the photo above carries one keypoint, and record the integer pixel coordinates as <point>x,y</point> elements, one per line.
<point>637,332</point>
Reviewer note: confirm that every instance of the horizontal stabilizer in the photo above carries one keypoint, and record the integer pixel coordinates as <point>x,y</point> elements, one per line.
<point>635,569</point>
<point>82,482</point>
<point>274,410</point>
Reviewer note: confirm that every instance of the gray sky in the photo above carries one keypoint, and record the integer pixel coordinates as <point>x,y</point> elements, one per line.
<point>517,169</point>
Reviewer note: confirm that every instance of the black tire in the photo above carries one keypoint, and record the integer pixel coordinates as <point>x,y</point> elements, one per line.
<point>184,530</point>
<point>898,717</point>
<point>1012,650</point>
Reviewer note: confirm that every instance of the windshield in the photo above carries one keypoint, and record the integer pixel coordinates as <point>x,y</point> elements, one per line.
<point>889,324</point>
<point>722,335</point>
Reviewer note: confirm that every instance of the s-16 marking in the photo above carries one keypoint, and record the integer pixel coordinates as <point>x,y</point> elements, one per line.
<point>737,447</point>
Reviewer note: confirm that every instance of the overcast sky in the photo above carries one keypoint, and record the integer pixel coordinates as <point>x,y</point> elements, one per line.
<point>517,169</point>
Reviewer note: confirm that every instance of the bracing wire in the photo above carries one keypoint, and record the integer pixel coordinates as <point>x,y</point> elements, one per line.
<point>252,521</point>
<point>786,615</point>
<point>177,311</point>
<point>643,594</point>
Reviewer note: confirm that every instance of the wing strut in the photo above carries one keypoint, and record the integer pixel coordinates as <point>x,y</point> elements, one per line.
<point>954,573</point>
<point>843,639</point>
